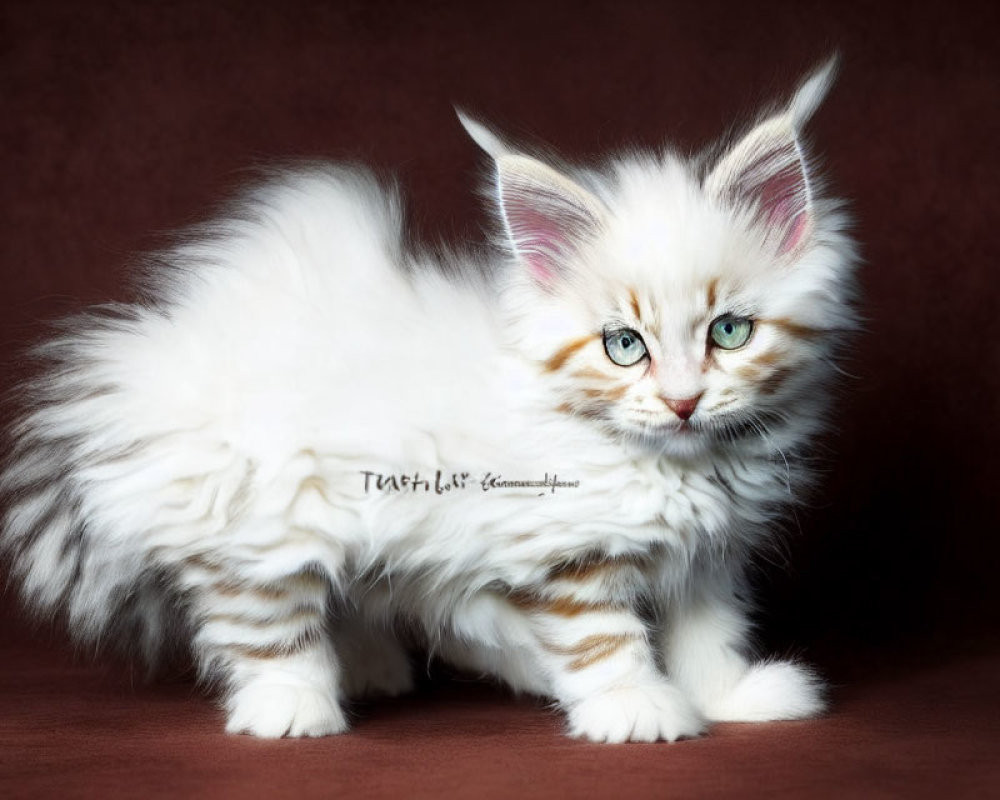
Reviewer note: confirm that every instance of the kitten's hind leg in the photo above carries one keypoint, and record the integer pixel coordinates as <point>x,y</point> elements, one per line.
<point>269,645</point>
<point>704,652</point>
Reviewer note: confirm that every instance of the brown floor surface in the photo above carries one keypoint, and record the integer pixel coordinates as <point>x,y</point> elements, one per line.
<point>70,729</point>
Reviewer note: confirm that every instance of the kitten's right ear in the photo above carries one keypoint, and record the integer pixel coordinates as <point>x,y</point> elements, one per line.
<point>767,170</point>
<point>547,216</point>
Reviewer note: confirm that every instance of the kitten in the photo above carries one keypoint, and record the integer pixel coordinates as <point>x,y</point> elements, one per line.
<point>552,464</point>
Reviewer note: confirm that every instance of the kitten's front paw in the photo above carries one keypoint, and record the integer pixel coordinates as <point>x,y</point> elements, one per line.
<point>272,710</point>
<point>645,713</point>
<point>771,690</point>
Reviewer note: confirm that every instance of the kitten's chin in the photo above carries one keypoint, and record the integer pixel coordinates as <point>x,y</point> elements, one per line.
<point>681,440</point>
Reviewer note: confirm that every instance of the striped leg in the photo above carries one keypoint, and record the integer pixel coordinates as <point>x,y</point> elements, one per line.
<point>269,644</point>
<point>597,654</point>
<point>704,652</point>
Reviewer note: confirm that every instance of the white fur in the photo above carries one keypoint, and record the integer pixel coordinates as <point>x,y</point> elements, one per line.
<point>206,449</point>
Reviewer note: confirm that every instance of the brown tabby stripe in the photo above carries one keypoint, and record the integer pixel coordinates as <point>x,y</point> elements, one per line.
<point>773,382</point>
<point>200,562</point>
<point>712,294</point>
<point>297,614</point>
<point>235,589</point>
<point>586,568</point>
<point>594,648</point>
<point>588,373</point>
<point>563,354</point>
<point>634,299</point>
<point>275,649</point>
<point>769,358</point>
<point>303,581</point>
<point>559,606</point>
<point>611,393</point>
<point>796,329</point>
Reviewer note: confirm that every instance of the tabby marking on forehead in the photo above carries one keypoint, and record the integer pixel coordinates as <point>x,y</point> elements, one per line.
<point>711,293</point>
<point>634,300</point>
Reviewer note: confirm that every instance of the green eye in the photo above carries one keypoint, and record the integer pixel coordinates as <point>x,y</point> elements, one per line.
<point>731,333</point>
<point>625,347</point>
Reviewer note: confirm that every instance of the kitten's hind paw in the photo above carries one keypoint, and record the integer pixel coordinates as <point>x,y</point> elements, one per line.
<point>649,713</point>
<point>271,710</point>
<point>770,690</point>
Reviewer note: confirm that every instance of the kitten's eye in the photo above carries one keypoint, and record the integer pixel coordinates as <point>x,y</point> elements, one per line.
<point>730,333</point>
<point>625,347</point>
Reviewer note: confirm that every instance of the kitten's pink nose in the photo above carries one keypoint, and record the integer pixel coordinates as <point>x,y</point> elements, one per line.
<point>684,407</point>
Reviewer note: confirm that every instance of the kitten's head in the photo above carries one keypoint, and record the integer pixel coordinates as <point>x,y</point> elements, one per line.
<point>686,304</point>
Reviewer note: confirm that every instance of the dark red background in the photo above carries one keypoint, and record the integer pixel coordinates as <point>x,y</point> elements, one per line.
<point>120,121</point>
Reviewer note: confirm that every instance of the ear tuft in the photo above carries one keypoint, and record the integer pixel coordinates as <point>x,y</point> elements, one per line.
<point>487,140</point>
<point>812,92</point>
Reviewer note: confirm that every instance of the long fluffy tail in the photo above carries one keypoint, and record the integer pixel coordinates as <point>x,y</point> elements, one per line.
<point>104,586</point>
<point>126,462</point>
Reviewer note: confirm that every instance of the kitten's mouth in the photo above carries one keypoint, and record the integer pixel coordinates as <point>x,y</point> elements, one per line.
<point>669,427</point>
<point>721,428</point>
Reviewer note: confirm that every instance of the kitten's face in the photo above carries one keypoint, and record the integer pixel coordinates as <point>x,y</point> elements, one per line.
<point>673,305</point>
<point>684,327</point>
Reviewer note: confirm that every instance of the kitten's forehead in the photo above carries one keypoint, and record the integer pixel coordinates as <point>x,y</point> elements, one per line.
<point>668,239</point>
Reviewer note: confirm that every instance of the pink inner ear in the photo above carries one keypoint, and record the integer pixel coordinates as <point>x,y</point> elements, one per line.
<point>795,234</point>
<point>778,184</point>
<point>540,237</point>
<point>784,210</point>
<point>540,269</point>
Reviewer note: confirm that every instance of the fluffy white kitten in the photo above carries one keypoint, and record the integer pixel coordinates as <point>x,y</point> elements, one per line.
<point>552,465</point>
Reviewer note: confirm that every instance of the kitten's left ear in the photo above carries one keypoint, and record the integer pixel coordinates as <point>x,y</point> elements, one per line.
<point>547,215</point>
<point>766,169</point>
